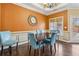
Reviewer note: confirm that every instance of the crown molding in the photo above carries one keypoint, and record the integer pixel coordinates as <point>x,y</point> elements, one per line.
<point>41,12</point>
<point>57,11</point>
<point>25,6</point>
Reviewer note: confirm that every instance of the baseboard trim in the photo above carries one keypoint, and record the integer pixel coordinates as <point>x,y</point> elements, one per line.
<point>68,41</point>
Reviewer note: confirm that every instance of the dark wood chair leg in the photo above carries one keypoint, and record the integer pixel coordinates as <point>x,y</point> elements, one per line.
<point>34,52</point>
<point>43,49</point>
<point>51,49</point>
<point>17,48</point>
<point>39,51</point>
<point>10,50</point>
<point>54,49</point>
<point>29,50</point>
<point>1,50</point>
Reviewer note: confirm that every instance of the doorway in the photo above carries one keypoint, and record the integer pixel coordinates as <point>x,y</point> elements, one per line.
<point>56,24</point>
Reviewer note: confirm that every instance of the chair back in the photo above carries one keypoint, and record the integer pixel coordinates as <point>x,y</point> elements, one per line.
<point>39,32</point>
<point>57,32</point>
<point>5,36</point>
<point>32,40</point>
<point>53,38</point>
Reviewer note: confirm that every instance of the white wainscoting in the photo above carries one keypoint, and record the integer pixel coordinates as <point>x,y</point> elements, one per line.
<point>20,36</point>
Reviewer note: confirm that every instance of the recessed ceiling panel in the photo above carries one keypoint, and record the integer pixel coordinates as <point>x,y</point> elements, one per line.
<point>48,8</point>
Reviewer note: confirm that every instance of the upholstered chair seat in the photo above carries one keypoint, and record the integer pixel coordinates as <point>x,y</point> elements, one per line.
<point>6,40</point>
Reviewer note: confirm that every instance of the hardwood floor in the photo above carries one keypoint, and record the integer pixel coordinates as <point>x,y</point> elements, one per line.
<point>63,49</point>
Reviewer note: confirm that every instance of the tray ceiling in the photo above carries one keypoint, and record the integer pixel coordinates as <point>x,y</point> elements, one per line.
<point>47,10</point>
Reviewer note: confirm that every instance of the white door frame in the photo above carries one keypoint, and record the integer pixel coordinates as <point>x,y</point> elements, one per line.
<point>72,37</point>
<point>62,22</point>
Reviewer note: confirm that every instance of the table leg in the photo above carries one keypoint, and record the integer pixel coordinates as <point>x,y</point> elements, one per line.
<point>2,50</point>
<point>39,51</point>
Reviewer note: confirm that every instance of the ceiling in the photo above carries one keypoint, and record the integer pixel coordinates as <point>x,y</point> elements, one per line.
<point>47,11</point>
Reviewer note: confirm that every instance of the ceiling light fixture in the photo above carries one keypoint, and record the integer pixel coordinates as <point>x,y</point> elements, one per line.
<point>49,5</point>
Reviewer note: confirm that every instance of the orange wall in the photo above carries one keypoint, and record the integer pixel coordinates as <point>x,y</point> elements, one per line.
<point>0,16</point>
<point>47,22</point>
<point>64,14</point>
<point>15,18</point>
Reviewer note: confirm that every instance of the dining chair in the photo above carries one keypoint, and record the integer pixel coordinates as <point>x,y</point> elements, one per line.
<point>56,31</point>
<point>52,42</point>
<point>6,40</point>
<point>39,32</point>
<point>33,43</point>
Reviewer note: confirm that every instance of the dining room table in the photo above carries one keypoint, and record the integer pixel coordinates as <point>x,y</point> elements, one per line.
<point>41,37</point>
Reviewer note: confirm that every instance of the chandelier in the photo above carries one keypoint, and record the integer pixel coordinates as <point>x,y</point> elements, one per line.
<point>49,5</point>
